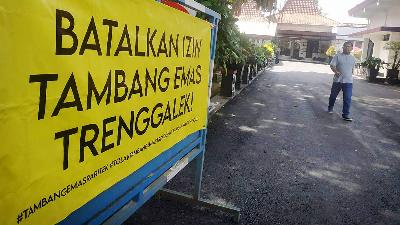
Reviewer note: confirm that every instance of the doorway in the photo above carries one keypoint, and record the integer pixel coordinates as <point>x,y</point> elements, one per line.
<point>296,50</point>
<point>312,47</point>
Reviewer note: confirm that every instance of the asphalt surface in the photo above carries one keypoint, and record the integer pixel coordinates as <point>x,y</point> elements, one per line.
<point>275,153</point>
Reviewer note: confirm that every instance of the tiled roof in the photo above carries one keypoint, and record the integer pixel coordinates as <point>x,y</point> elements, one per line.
<point>305,12</point>
<point>302,12</point>
<point>304,19</point>
<point>309,7</point>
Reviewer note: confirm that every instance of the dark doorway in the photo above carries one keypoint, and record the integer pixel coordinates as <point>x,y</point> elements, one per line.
<point>312,47</point>
<point>296,50</point>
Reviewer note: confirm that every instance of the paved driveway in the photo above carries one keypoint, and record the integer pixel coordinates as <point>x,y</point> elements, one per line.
<point>275,153</point>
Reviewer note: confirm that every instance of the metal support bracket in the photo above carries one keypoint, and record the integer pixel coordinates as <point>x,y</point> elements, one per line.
<point>195,198</point>
<point>174,195</point>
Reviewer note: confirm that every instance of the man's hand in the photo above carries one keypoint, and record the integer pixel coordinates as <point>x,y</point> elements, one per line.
<point>337,72</point>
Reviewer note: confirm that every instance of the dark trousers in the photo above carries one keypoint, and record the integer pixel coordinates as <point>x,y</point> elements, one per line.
<point>347,89</point>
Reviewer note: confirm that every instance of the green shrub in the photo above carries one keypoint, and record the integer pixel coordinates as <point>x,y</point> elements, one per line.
<point>372,63</point>
<point>331,51</point>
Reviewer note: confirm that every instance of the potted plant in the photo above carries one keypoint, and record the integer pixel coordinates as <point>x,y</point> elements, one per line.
<point>331,52</point>
<point>357,54</point>
<point>393,68</point>
<point>372,64</point>
<point>251,62</point>
<point>269,49</point>
<point>227,49</point>
<point>244,46</point>
<point>260,59</point>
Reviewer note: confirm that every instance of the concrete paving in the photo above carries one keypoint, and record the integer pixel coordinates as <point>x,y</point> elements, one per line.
<point>275,152</point>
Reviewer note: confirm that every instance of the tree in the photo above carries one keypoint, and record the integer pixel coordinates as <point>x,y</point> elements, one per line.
<point>227,50</point>
<point>265,5</point>
<point>394,46</point>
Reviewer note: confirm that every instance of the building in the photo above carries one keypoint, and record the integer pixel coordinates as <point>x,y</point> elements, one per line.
<point>384,26</point>
<point>303,33</point>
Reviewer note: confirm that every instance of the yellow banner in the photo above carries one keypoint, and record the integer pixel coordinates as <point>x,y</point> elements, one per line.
<point>90,92</point>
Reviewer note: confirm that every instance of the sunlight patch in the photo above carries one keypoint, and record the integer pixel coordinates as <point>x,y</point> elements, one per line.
<point>397,154</point>
<point>380,166</point>
<point>259,104</point>
<point>334,179</point>
<point>283,123</point>
<point>247,129</point>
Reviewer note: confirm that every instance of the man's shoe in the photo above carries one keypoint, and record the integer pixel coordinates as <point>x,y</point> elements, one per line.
<point>330,111</point>
<point>346,118</point>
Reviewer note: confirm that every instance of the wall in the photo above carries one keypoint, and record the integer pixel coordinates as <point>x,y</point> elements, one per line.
<point>395,36</point>
<point>303,48</point>
<point>258,28</point>
<point>379,50</point>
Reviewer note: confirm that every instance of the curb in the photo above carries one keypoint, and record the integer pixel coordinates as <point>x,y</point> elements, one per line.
<point>218,101</point>
<point>304,61</point>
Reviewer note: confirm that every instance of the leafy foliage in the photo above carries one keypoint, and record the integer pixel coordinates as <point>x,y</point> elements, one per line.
<point>228,38</point>
<point>233,47</point>
<point>265,5</point>
<point>372,63</point>
<point>331,51</point>
<point>270,48</point>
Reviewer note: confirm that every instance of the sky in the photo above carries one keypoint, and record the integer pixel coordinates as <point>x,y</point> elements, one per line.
<point>337,10</point>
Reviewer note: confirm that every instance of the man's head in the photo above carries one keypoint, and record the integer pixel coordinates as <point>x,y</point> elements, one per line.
<point>347,47</point>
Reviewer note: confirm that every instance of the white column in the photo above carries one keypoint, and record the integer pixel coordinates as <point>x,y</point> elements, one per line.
<point>364,49</point>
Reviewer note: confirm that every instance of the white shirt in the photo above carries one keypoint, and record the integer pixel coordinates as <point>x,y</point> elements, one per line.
<point>344,63</point>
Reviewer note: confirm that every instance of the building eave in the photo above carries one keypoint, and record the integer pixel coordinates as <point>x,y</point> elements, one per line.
<point>306,34</point>
<point>369,8</point>
<point>375,30</point>
<point>359,8</point>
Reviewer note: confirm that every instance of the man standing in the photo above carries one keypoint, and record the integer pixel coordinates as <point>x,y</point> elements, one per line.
<point>342,65</point>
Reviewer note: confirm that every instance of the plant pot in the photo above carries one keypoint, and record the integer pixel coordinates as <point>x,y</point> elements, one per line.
<point>392,76</point>
<point>245,74</point>
<point>372,73</point>
<point>216,74</point>
<point>252,73</point>
<point>228,82</point>
<point>276,60</point>
<point>240,71</point>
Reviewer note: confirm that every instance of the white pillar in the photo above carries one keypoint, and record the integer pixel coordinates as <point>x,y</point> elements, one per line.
<point>364,49</point>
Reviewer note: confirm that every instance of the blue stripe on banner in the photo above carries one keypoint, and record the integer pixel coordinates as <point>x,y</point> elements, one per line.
<point>195,5</point>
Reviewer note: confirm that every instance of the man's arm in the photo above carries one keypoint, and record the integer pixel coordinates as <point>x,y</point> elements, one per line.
<point>336,71</point>
<point>333,65</point>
